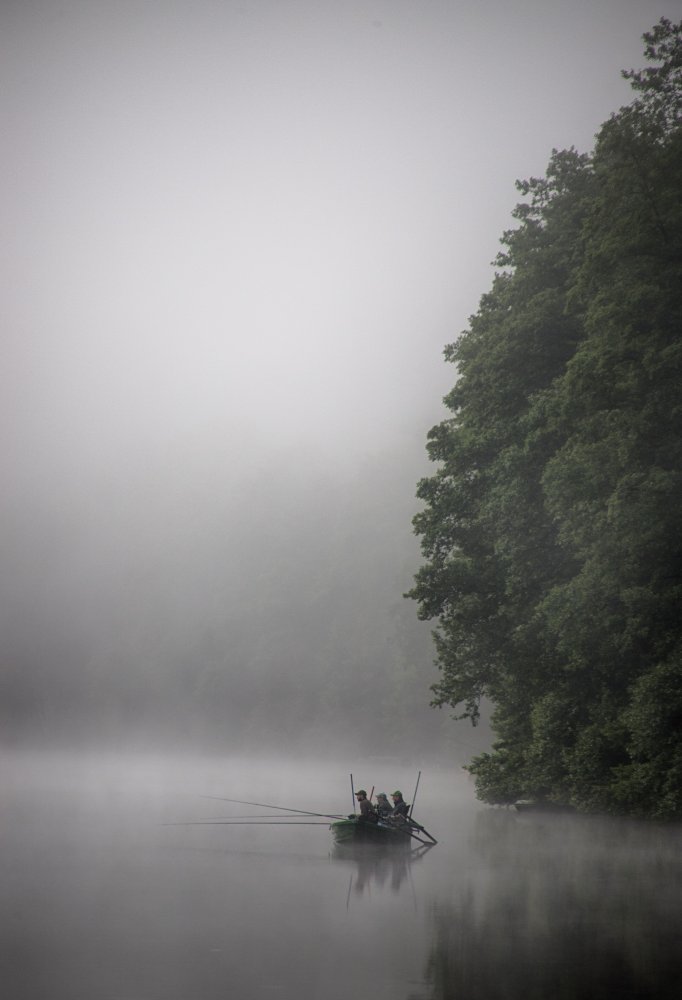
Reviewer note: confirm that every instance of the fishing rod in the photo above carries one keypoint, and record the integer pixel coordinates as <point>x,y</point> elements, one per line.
<point>415,826</point>
<point>415,794</point>
<point>241,822</point>
<point>352,791</point>
<point>427,843</point>
<point>253,816</point>
<point>409,833</point>
<point>266,805</point>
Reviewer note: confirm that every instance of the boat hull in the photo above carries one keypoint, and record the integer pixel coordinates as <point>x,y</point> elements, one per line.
<point>357,831</point>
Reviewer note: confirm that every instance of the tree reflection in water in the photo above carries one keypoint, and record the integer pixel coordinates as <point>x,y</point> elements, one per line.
<point>560,908</point>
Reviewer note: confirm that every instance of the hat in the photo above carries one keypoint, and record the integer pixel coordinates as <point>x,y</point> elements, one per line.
<point>395,794</point>
<point>361,792</point>
<point>381,795</point>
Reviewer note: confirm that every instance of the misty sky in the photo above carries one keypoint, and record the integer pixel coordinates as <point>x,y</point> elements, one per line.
<point>237,236</point>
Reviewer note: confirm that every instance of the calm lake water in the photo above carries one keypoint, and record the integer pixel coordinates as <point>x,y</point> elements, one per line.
<point>100,899</point>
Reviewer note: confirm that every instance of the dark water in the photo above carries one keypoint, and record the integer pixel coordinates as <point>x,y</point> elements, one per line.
<point>100,900</point>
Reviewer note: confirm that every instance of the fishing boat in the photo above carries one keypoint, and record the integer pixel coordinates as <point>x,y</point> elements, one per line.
<point>346,830</point>
<point>357,831</point>
<point>387,830</point>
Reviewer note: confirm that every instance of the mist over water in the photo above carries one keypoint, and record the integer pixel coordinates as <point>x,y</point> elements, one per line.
<point>101,899</point>
<point>237,238</point>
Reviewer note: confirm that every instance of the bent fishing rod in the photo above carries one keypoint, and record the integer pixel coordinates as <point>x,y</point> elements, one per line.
<point>266,805</point>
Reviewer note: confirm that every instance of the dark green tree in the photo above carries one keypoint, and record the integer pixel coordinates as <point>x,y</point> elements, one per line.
<point>551,529</point>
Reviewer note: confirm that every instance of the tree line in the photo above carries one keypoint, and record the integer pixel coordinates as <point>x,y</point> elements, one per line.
<point>551,528</point>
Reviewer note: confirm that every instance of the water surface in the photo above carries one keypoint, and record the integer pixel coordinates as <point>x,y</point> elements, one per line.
<point>102,899</point>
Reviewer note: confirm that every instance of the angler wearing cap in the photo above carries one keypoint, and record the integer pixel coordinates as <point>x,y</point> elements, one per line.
<point>367,812</point>
<point>384,807</point>
<point>400,806</point>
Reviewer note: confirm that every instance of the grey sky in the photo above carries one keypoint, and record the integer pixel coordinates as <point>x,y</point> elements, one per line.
<point>237,236</point>
<point>261,221</point>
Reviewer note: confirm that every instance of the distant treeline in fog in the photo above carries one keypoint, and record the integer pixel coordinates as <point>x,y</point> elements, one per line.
<point>277,622</point>
<point>552,527</point>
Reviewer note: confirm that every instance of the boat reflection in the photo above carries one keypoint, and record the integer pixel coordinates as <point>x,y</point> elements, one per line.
<point>374,865</point>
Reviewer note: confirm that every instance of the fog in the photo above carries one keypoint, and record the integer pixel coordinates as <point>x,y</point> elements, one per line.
<point>237,239</point>
<point>102,898</point>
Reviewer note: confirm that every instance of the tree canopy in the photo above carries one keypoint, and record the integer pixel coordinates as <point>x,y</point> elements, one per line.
<point>551,528</point>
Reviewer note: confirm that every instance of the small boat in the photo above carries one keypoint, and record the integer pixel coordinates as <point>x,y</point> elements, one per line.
<point>388,832</point>
<point>385,834</point>
<point>358,831</point>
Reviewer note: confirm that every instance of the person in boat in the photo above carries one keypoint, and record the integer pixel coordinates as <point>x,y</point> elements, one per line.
<point>367,812</point>
<point>400,807</point>
<point>384,807</point>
